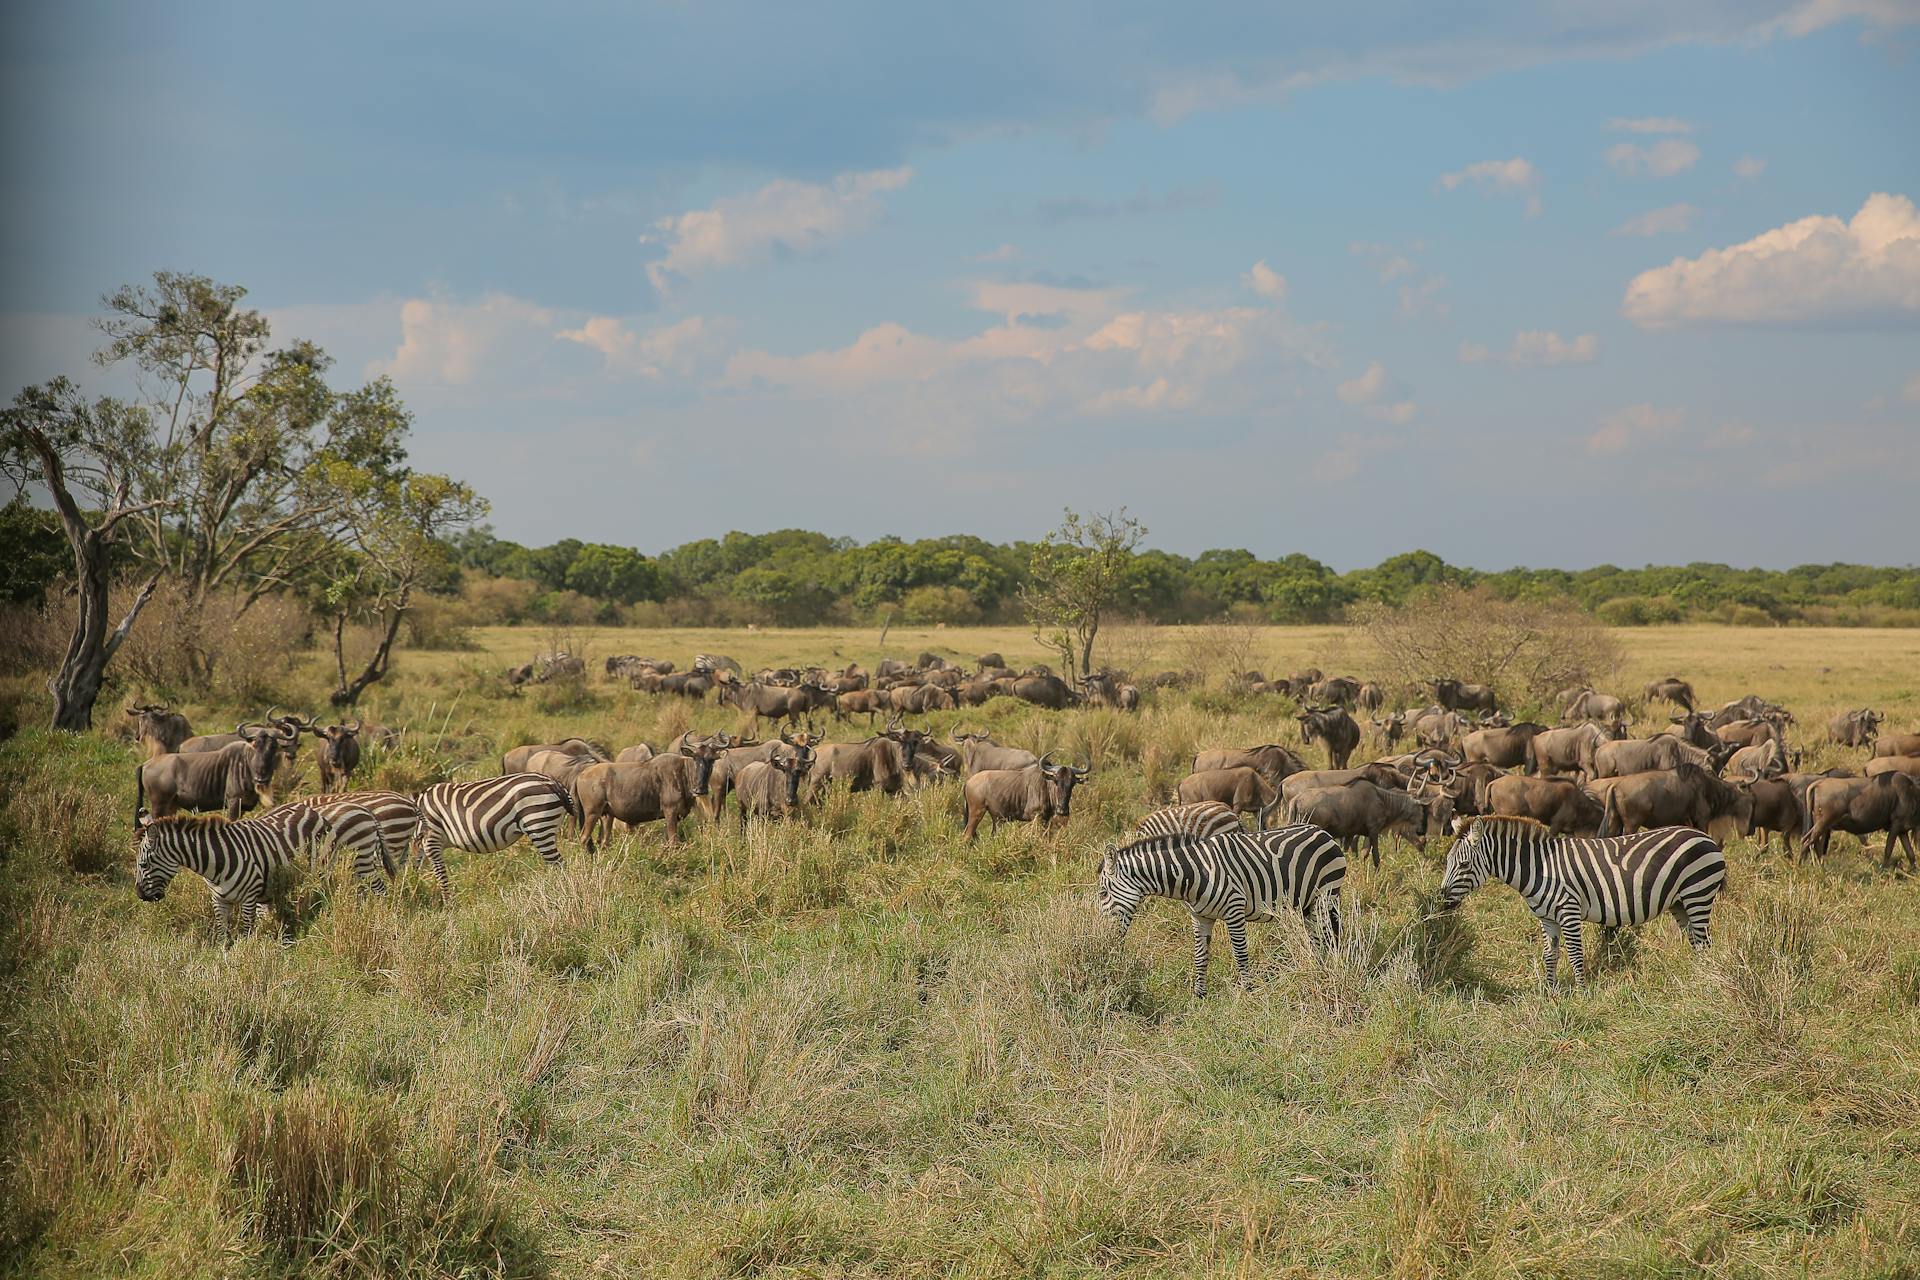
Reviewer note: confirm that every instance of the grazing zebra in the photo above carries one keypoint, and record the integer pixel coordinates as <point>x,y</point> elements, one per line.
<point>491,814</point>
<point>396,813</point>
<point>1235,876</point>
<point>235,858</point>
<point>1611,880</point>
<point>1195,821</point>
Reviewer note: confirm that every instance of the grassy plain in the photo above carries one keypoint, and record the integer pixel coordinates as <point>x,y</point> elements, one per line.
<point>853,1046</point>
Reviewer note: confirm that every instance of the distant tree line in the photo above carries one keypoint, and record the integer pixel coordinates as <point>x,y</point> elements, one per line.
<point>795,577</point>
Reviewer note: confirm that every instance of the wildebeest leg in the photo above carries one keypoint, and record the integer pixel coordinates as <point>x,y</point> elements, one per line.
<point>1373,850</point>
<point>1202,950</point>
<point>973,820</point>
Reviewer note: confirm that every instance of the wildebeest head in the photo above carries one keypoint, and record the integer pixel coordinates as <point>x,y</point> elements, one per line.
<point>909,740</point>
<point>794,767</point>
<point>266,741</point>
<point>1061,779</point>
<point>703,752</point>
<point>803,739</point>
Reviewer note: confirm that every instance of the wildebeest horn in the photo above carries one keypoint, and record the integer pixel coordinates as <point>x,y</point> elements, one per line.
<point>356,725</point>
<point>1082,770</point>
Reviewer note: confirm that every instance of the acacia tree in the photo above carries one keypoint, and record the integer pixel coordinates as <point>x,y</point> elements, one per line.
<point>396,531</point>
<point>50,438</point>
<point>1075,576</point>
<point>237,474</point>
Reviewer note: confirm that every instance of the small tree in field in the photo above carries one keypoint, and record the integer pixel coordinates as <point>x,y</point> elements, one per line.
<point>79,454</point>
<point>1526,649</point>
<point>1075,578</point>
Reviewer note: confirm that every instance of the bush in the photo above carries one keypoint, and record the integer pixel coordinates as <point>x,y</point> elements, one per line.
<point>1525,649</point>
<point>1638,611</point>
<point>951,605</point>
<point>497,602</point>
<point>439,623</point>
<point>226,648</point>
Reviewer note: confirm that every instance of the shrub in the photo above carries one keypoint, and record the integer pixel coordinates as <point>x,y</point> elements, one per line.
<point>222,647</point>
<point>1525,649</point>
<point>497,602</point>
<point>951,605</point>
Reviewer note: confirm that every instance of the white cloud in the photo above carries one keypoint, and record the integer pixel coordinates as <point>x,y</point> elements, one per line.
<point>446,341</point>
<point>1507,177</point>
<point>1650,124</point>
<point>1537,348</point>
<point>1378,395</point>
<point>1816,272</point>
<point>783,216</point>
<point>1749,167</point>
<point>1663,159</point>
<point>1265,281</point>
<point>675,350</point>
<point>1658,222</point>
<point>1634,425</point>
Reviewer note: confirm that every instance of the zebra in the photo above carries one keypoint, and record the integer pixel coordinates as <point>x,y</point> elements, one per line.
<point>235,858</point>
<point>1611,880</point>
<point>1198,821</point>
<point>1235,876</point>
<point>491,814</point>
<point>397,814</point>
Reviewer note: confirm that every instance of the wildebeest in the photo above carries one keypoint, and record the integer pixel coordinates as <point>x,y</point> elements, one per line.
<point>736,755</point>
<point>1768,759</point>
<point>667,787</point>
<point>1509,747</point>
<point>776,702</point>
<point>1300,681</point>
<point>1692,728</point>
<point>1333,727</point>
<point>1270,760</point>
<point>1388,730</point>
<point>1436,726</point>
<point>769,788</point>
<point>871,702</point>
<point>1371,696</point>
<point>1038,793</point>
<point>1909,765</point>
<point>638,753</point>
<point>1048,691</point>
<point>990,660</point>
<point>686,684</point>
<point>1339,691</point>
<point>338,754</point>
<point>1670,689</point>
<point>1567,750</point>
<point>919,698</point>
<point>1241,789</point>
<point>562,766</point>
<point>1455,695</point>
<point>229,780</point>
<point>1594,705</point>
<point>1638,755</point>
<point>1104,689</point>
<point>1379,773</point>
<point>1855,728</point>
<point>1469,788</point>
<point>515,761</point>
<point>1748,733</point>
<point>1896,744</point>
<point>1776,809</point>
<point>1750,707</point>
<point>1888,802</point>
<point>1683,796</point>
<point>881,763</point>
<point>1362,811</point>
<point>978,752</point>
<point>159,728</point>
<point>1563,805</point>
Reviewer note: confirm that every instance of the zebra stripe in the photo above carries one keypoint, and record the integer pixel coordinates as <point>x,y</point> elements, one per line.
<point>1195,821</point>
<point>396,813</point>
<point>236,858</point>
<point>1235,876</point>
<point>492,814</point>
<point>1610,880</point>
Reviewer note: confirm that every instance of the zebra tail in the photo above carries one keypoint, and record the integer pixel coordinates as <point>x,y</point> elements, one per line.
<point>139,790</point>
<point>1611,814</point>
<point>573,803</point>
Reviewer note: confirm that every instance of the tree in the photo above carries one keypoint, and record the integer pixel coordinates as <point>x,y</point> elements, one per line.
<point>236,470</point>
<point>1075,576</point>
<point>396,530</point>
<point>613,573</point>
<point>52,438</point>
<point>33,551</point>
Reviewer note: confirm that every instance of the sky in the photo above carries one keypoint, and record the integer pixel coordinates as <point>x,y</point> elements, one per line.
<point>1552,284</point>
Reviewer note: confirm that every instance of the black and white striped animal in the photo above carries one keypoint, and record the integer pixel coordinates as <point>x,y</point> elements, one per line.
<point>1194,821</point>
<point>1610,880</point>
<point>492,814</point>
<point>236,858</point>
<point>397,814</point>
<point>1235,876</point>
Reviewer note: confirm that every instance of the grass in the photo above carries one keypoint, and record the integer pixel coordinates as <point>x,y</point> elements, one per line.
<point>855,1046</point>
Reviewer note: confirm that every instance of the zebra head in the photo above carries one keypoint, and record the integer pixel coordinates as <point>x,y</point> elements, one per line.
<point>153,866</point>
<point>1466,867</point>
<point>1115,893</point>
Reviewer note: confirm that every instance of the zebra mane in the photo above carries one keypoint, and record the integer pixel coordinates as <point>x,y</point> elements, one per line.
<point>190,820</point>
<point>1146,843</point>
<point>1508,823</point>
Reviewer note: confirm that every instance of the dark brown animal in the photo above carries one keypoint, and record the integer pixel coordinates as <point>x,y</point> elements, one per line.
<point>1362,811</point>
<point>338,755</point>
<point>1371,697</point>
<point>1888,802</point>
<point>1564,806</point>
<point>1241,789</point>
<point>882,763</point>
<point>230,780</point>
<point>979,752</point>
<point>1638,755</point>
<point>515,761</point>
<point>1594,705</point>
<point>1776,810</point>
<point>1896,744</point>
<point>1671,689</point>
<point>1683,796</point>
<point>159,728</point>
<point>666,788</point>
<point>871,702</point>
<point>1333,727</point>
<point>1270,760</point>
<point>1457,696</point>
<point>1509,748</point>
<point>1909,765</point>
<point>1568,750</point>
<point>1048,691</point>
<point>771,788</point>
<point>1038,793</point>
<point>1855,728</point>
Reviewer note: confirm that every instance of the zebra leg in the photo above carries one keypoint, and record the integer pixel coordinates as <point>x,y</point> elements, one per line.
<point>1331,927</point>
<point>1237,935</point>
<point>1202,948</point>
<point>1550,947</point>
<point>1570,937</point>
<point>430,850</point>
<point>222,910</point>
<point>548,844</point>
<point>1693,917</point>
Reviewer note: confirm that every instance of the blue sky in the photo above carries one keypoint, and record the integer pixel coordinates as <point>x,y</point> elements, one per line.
<point>1545,284</point>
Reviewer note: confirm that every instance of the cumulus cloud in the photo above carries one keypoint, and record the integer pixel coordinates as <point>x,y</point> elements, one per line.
<point>1658,222</point>
<point>1818,272</point>
<point>783,216</point>
<point>1650,124</point>
<point>1632,426</point>
<point>442,340</point>
<point>1378,395</point>
<point>1506,177</point>
<point>1749,167</point>
<point>675,350</point>
<point>1663,159</point>
<point>1265,281</point>
<point>1537,347</point>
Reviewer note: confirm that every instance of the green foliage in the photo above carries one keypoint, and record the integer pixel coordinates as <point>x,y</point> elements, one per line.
<point>614,573</point>
<point>33,552</point>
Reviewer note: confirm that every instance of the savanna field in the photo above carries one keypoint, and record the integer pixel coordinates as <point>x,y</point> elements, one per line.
<point>853,1045</point>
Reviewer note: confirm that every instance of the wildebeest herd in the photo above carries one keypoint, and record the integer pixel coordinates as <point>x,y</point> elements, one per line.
<point>1585,821</point>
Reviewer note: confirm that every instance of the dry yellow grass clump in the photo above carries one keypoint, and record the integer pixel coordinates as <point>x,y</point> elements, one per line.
<point>852,1045</point>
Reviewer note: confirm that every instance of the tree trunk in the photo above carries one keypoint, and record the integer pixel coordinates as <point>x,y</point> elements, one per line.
<point>350,690</point>
<point>76,685</point>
